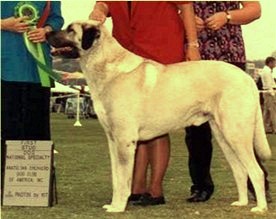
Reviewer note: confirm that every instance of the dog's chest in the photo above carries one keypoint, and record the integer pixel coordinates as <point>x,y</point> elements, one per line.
<point>101,113</point>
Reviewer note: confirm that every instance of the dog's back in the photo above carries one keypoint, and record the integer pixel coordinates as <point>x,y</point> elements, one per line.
<point>195,86</point>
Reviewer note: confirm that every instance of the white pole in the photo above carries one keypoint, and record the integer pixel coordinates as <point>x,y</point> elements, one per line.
<point>77,123</point>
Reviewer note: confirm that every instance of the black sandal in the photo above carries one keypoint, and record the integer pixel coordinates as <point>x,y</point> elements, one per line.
<point>146,199</point>
<point>134,198</point>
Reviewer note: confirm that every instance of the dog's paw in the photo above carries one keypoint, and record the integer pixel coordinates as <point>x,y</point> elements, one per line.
<point>106,206</point>
<point>259,210</point>
<point>111,208</point>
<point>239,203</point>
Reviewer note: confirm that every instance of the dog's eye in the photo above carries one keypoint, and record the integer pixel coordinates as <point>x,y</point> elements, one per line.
<point>70,29</point>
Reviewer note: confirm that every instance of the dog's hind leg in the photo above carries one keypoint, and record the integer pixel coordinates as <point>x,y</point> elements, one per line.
<point>263,151</point>
<point>122,151</point>
<point>241,142</point>
<point>239,172</point>
<point>256,175</point>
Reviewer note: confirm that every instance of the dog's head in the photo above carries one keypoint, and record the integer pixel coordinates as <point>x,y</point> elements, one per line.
<point>76,38</point>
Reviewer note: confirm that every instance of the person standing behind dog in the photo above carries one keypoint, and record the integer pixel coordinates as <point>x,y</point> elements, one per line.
<point>269,86</point>
<point>24,102</point>
<point>220,38</point>
<point>153,30</point>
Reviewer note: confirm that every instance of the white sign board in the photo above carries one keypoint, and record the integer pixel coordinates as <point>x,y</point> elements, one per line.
<point>28,173</point>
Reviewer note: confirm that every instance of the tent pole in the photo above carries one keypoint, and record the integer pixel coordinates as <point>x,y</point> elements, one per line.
<point>77,123</point>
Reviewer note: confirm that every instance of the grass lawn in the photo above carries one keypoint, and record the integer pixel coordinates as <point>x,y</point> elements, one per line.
<point>84,181</point>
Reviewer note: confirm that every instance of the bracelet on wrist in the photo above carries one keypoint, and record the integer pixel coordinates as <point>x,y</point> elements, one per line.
<point>228,17</point>
<point>193,44</point>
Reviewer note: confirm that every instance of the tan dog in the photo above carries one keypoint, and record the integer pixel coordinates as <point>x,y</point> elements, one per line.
<point>139,99</point>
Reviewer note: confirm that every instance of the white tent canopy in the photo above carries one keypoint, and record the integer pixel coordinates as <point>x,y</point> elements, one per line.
<point>60,88</point>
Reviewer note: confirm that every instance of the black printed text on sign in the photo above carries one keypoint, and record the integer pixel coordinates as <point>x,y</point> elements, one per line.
<point>27,173</point>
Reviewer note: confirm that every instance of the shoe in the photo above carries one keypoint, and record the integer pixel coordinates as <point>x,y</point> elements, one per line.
<point>134,198</point>
<point>146,199</point>
<point>199,196</point>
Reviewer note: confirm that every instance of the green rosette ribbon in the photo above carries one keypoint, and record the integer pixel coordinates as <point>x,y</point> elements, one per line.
<point>36,50</point>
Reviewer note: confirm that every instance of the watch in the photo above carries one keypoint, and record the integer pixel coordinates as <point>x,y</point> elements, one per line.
<point>228,16</point>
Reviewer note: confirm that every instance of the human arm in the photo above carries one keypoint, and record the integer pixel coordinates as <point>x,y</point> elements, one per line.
<point>250,11</point>
<point>100,12</point>
<point>74,75</point>
<point>18,25</point>
<point>188,17</point>
<point>37,35</point>
<point>54,22</point>
<point>14,24</point>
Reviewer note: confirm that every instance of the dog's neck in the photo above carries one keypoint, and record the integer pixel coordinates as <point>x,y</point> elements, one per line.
<point>106,60</point>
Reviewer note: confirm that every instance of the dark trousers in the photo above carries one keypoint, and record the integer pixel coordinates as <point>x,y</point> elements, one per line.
<point>198,140</point>
<point>199,143</point>
<point>25,111</point>
<point>25,114</point>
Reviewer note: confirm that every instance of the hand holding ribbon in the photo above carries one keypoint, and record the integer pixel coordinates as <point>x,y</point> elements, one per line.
<point>16,24</point>
<point>33,39</point>
<point>37,35</point>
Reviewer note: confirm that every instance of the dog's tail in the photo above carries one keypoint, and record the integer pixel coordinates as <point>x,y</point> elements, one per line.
<point>260,141</point>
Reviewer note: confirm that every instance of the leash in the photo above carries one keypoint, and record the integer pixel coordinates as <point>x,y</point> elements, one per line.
<point>45,15</point>
<point>35,49</point>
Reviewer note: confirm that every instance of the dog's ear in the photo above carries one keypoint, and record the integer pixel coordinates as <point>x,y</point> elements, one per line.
<point>90,34</point>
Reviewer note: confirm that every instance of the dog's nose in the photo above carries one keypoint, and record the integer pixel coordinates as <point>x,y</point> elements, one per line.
<point>48,34</point>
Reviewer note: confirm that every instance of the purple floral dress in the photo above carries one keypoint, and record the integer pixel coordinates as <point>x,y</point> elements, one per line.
<point>225,44</point>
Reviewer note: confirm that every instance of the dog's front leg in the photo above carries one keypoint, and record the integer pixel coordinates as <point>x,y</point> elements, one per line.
<point>122,162</point>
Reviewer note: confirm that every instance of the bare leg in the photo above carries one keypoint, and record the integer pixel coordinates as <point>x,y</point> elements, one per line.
<point>139,184</point>
<point>159,159</point>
